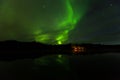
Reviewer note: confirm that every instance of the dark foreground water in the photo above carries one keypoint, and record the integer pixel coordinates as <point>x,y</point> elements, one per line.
<point>57,67</point>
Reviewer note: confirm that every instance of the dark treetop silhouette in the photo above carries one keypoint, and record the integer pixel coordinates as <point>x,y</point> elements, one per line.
<point>10,50</point>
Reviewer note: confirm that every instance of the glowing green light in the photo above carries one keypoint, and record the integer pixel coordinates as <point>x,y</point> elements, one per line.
<point>59,42</point>
<point>42,38</point>
<point>44,22</point>
<point>59,59</point>
<point>59,56</point>
<point>64,23</point>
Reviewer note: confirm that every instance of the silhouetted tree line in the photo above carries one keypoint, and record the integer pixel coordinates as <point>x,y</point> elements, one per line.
<point>10,50</point>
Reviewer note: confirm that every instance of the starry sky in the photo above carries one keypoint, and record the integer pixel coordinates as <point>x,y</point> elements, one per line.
<point>60,21</point>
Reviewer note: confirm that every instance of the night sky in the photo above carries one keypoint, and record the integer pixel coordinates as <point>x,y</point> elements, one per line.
<point>60,21</point>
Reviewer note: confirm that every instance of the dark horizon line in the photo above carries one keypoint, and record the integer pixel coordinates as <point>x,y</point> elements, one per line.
<point>87,43</point>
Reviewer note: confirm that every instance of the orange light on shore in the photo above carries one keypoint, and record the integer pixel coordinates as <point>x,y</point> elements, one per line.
<point>78,49</point>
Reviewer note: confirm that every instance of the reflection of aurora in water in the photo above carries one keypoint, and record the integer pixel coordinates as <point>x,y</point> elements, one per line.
<point>43,21</point>
<point>60,60</point>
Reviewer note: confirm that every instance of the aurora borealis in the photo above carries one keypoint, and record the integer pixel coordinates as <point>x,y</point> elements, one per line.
<point>46,21</point>
<point>60,21</point>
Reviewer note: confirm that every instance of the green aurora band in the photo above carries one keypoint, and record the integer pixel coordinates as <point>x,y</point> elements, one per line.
<point>45,21</point>
<point>68,23</point>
